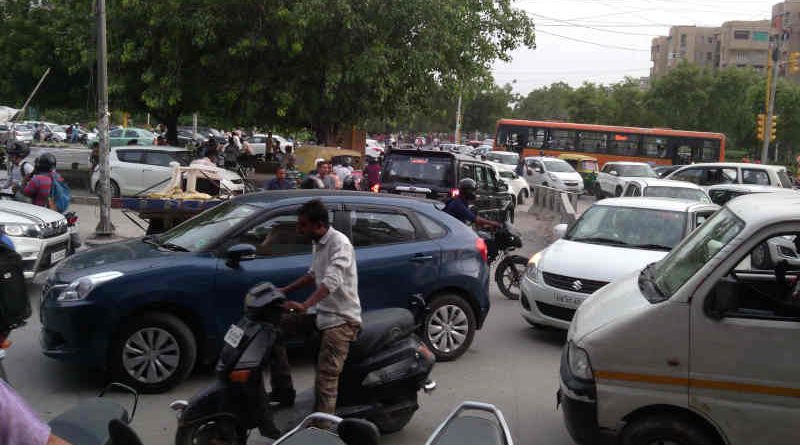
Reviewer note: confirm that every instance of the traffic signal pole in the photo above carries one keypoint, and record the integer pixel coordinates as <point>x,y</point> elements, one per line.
<point>772,88</point>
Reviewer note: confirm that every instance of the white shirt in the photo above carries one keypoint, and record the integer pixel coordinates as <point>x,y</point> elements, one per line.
<point>334,265</point>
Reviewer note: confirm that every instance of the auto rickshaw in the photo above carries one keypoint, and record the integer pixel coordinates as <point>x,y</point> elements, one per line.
<point>306,156</point>
<point>585,165</point>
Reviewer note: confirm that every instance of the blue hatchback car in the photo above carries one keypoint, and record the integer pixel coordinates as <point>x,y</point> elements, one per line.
<point>150,309</point>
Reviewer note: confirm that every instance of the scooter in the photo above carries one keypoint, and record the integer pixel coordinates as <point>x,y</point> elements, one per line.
<point>510,268</point>
<point>386,367</point>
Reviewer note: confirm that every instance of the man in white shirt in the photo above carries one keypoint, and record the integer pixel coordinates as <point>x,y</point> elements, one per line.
<point>336,307</point>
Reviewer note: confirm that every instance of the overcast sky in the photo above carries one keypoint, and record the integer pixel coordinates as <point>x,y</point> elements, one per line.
<point>619,33</point>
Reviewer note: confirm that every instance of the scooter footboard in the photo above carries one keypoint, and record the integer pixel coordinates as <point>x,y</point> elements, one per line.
<point>87,422</point>
<point>243,402</point>
<point>460,428</point>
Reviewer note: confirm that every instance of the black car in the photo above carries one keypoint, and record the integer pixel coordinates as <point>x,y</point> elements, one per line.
<point>435,175</point>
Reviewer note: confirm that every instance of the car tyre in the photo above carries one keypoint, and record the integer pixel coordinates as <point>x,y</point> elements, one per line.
<point>175,352</point>
<point>449,327</point>
<point>521,197</point>
<point>666,428</point>
<point>115,193</point>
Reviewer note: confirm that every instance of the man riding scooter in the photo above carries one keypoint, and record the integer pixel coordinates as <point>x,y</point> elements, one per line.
<point>335,304</point>
<point>20,171</point>
<point>458,206</point>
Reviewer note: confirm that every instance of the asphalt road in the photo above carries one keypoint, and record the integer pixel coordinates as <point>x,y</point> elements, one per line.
<point>510,365</point>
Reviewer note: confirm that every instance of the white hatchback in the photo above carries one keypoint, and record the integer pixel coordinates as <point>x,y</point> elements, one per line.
<point>612,178</point>
<point>552,172</point>
<point>139,170</point>
<point>611,239</point>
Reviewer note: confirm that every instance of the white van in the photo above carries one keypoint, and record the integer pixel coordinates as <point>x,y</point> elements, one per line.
<point>697,349</point>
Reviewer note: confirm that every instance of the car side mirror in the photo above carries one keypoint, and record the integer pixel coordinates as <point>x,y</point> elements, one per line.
<point>539,170</point>
<point>613,173</point>
<point>721,301</point>
<point>238,253</point>
<point>560,230</point>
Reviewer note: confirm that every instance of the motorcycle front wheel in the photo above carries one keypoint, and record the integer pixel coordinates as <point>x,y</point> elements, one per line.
<point>212,432</point>
<point>509,275</point>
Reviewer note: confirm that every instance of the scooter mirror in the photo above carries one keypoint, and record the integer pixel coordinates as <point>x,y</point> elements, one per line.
<point>358,432</point>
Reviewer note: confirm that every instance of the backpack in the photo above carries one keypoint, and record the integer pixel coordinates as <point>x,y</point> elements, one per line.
<point>60,196</point>
<point>15,306</point>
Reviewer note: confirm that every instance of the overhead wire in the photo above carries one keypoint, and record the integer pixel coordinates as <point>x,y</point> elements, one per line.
<point>589,42</point>
<point>591,27</point>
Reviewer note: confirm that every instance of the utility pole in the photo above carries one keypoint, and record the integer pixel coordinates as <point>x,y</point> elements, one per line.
<point>104,227</point>
<point>458,121</point>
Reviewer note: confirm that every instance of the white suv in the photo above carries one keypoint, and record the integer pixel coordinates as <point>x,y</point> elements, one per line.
<point>611,239</point>
<point>144,169</point>
<point>706,175</point>
<point>40,235</point>
<point>615,175</point>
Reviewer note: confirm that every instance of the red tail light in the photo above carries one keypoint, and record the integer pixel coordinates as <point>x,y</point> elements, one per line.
<point>72,220</point>
<point>240,376</point>
<point>376,188</point>
<point>454,193</point>
<point>480,244</point>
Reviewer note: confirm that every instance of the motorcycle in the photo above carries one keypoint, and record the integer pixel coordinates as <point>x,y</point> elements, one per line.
<point>386,367</point>
<point>510,268</point>
<point>74,236</point>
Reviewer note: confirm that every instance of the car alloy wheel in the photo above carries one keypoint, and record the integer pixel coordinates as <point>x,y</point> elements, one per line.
<point>448,328</point>
<point>151,355</point>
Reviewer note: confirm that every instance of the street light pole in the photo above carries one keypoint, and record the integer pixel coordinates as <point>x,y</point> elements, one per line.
<point>457,139</point>
<point>104,227</point>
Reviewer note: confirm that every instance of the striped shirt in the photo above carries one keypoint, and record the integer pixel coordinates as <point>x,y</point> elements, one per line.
<point>39,186</point>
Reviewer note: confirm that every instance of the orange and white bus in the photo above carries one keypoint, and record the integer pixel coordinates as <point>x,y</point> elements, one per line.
<point>609,143</point>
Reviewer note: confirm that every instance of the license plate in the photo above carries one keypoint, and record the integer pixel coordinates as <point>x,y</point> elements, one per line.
<point>58,256</point>
<point>416,195</point>
<point>234,336</point>
<point>566,299</point>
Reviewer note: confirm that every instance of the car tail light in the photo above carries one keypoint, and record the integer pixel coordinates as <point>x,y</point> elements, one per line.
<point>240,376</point>
<point>72,220</point>
<point>454,193</point>
<point>480,244</point>
<point>376,188</point>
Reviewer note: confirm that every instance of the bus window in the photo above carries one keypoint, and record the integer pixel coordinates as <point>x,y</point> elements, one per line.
<point>513,138</point>
<point>536,137</point>
<point>655,147</point>
<point>710,151</point>
<point>562,140</point>
<point>592,141</point>
<point>624,144</point>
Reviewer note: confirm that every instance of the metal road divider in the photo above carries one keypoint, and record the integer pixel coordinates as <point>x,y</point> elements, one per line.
<point>553,204</point>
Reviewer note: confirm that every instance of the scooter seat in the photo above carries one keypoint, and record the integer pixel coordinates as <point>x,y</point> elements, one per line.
<point>380,328</point>
<point>470,430</point>
<point>87,422</point>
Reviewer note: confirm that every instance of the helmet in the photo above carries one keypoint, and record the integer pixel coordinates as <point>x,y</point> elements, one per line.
<point>19,149</point>
<point>467,188</point>
<point>45,163</point>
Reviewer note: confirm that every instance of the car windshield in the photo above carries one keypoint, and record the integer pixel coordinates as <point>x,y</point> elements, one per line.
<point>629,227</point>
<point>412,169</point>
<point>503,158</point>
<point>558,167</point>
<point>202,231</point>
<point>695,252</point>
<point>636,171</point>
<point>676,192</point>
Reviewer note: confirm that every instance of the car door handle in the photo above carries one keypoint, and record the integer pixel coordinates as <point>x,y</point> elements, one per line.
<point>421,258</point>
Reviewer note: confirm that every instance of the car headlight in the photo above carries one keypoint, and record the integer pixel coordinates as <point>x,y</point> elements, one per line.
<point>532,272</point>
<point>578,362</point>
<point>82,287</point>
<point>25,230</point>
